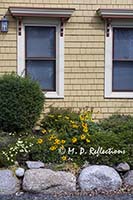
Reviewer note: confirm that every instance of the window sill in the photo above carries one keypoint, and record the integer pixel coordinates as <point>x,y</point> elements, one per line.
<point>124,95</point>
<point>53,95</point>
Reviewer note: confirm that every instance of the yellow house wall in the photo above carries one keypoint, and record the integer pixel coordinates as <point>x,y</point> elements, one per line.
<point>84,54</point>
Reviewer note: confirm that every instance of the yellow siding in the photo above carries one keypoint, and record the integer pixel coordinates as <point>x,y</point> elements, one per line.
<point>84,53</point>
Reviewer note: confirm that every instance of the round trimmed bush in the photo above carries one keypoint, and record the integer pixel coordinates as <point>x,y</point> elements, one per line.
<point>21,102</point>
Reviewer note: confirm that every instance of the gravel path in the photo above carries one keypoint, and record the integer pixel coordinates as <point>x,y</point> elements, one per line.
<point>27,196</point>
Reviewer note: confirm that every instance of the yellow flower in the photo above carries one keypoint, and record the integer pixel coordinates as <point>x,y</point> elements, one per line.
<point>52,137</point>
<point>63,141</point>
<point>92,120</point>
<point>72,122</point>
<point>75,126</point>
<point>87,140</point>
<point>53,148</point>
<point>84,125</point>
<point>66,117</point>
<point>74,140</point>
<point>57,141</point>
<point>82,137</point>
<point>40,141</point>
<point>44,131</point>
<point>59,116</point>
<point>85,130</point>
<point>87,115</point>
<point>63,158</point>
<point>81,117</point>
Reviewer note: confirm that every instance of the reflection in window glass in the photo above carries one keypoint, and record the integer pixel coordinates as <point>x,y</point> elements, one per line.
<point>123,59</point>
<point>43,72</point>
<point>123,43</point>
<point>123,76</point>
<point>40,41</point>
<point>41,55</point>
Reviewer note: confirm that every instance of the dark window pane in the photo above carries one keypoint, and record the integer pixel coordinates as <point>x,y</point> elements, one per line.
<point>40,41</point>
<point>123,76</point>
<point>123,43</point>
<point>43,72</point>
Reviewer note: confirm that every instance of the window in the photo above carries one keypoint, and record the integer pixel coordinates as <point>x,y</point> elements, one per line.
<point>118,52</point>
<point>41,55</point>
<point>40,46</point>
<point>119,61</point>
<point>122,59</point>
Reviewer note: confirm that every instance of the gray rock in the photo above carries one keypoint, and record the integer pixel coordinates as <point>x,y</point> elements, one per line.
<point>128,178</point>
<point>122,167</point>
<point>48,181</point>
<point>20,172</point>
<point>99,177</point>
<point>35,164</point>
<point>9,184</point>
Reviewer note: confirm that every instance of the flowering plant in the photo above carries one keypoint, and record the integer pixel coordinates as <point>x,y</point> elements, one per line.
<point>63,137</point>
<point>21,146</point>
<point>60,131</point>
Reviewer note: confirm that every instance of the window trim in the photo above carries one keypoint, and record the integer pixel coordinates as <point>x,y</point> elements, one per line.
<point>59,93</point>
<point>119,18</point>
<point>109,93</point>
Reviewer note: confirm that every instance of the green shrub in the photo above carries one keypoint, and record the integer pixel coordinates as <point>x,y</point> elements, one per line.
<point>120,145</point>
<point>21,102</point>
<point>117,123</point>
<point>115,132</point>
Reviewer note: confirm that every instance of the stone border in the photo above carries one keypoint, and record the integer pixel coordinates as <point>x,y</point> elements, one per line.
<point>37,179</point>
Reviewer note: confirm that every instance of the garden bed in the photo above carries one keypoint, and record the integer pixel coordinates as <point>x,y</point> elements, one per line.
<point>64,140</point>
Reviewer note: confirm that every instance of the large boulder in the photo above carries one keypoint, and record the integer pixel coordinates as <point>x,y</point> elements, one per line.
<point>99,177</point>
<point>9,184</point>
<point>128,178</point>
<point>48,181</point>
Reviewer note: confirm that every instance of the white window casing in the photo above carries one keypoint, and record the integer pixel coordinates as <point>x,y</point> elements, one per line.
<point>108,60</point>
<point>44,16</point>
<point>114,18</point>
<point>59,93</point>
